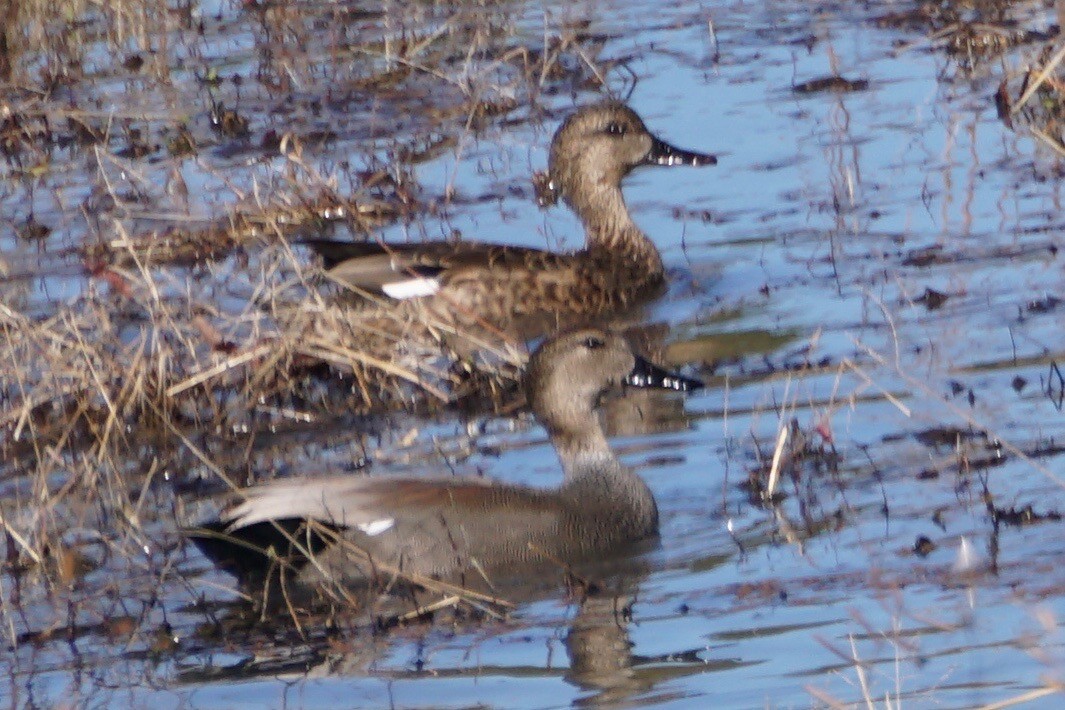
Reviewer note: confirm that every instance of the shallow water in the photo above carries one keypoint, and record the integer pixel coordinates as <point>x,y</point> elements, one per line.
<point>798,265</point>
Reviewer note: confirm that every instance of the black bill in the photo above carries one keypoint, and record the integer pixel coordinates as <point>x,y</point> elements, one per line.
<point>663,153</point>
<point>647,374</point>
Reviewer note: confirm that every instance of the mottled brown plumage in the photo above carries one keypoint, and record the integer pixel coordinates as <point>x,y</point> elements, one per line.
<point>522,290</point>
<point>454,528</point>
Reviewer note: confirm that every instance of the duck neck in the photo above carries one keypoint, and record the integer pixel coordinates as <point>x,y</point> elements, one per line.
<point>587,458</point>
<point>604,487</point>
<point>609,227</point>
<point>582,450</point>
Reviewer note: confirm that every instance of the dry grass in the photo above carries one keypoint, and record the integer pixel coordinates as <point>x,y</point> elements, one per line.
<point>163,163</point>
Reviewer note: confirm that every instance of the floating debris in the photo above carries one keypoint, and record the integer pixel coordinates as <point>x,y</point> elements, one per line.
<point>836,84</point>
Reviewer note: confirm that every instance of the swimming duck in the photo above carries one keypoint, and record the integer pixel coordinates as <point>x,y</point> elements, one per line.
<point>369,529</point>
<point>525,291</point>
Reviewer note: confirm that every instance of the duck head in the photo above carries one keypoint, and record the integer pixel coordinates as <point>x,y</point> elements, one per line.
<point>600,144</point>
<point>568,374</point>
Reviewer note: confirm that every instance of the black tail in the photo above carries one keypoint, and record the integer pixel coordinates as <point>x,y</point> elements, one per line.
<point>254,552</point>
<point>334,251</point>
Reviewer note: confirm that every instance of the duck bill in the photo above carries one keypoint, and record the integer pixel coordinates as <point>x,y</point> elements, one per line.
<point>663,153</point>
<point>647,374</point>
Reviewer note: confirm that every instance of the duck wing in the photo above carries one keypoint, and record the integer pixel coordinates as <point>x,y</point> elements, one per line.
<point>342,501</point>
<point>402,271</point>
<point>431,525</point>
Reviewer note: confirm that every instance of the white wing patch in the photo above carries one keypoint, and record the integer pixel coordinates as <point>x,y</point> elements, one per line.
<point>411,288</point>
<point>376,527</point>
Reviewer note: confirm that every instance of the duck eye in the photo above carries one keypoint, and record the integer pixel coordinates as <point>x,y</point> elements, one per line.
<point>615,129</point>
<point>593,343</point>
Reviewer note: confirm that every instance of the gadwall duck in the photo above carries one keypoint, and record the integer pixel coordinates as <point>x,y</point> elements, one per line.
<point>526,291</point>
<point>363,529</point>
